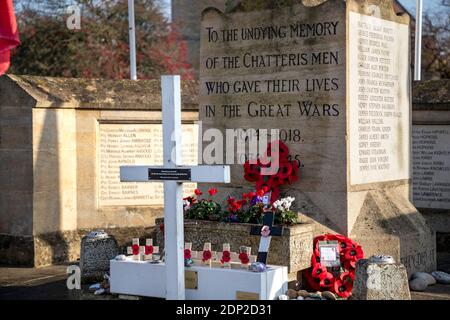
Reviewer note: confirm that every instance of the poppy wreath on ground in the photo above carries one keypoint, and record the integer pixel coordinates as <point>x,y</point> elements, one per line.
<point>286,173</point>
<point>339,281</point>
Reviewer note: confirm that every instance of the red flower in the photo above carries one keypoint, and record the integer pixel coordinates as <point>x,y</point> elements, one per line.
<point>343,289</point>
<point>148,250</point>
<point>347,276</point>
<point>235,206</point>
<point>260,193</point>
<point>161,227</point>
<point>252,171</point>
<point>352,255</point>
<point>315,259</point>
<point>251,195</point>
<point>191,200</point>
<point>198,192</point>
<point>187,254</point>
<point>319,271</point>
<point>244,258</point>
<point>314,283</point>
<point>280,150</point>
<point>207,255</point>
<point>226,256</point>
<point>212,191</point>
<point>135,249</point>
<point>327,281</point>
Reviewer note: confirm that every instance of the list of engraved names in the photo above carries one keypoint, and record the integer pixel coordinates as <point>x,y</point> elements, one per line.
<point>136,144</point>
<point>379,101</point>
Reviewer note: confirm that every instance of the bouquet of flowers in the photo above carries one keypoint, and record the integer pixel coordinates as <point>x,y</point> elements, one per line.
<point>250,209</point>
<point>283,212</point>
<point>198,208</point>
<point>338,280</point>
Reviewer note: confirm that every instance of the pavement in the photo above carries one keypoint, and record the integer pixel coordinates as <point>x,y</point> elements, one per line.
<point>49,283</point>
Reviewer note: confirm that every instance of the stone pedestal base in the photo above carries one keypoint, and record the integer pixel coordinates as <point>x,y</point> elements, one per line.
<point>293,249</point>
<point>95,256</point>
<point>380,282</point>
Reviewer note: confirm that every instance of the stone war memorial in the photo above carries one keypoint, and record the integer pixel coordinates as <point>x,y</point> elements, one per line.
<point>334,78</point>
<point>304,163</point>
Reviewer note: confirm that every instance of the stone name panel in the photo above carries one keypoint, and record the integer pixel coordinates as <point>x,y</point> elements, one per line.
<point>136,144</point>
<point>379,100</point>
<point>431,166</point>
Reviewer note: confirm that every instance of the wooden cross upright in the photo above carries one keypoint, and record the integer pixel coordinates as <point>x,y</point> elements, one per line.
<point>267,231</point>
<point>173,175</point>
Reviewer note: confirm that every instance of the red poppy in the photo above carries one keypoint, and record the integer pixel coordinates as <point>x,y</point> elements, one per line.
<point>135,249</point>
<point>161,227</point>
<point>207,255</point>
<point>226,256</point>
<point>347,276</point>
<point>284,171</point>
<point>327,281</point>
<point>198,192</point>
<point>313,283</point>
<point>187,254</point>
<point>315,259</point>
<point>343,289</point>
<point>148,250</point>
<point>252,171</point>
<point>319,271</point>
<point>280,149</point>
<point>212,191</point>
<point>260,193</point>
<point>251,195</point>
<point>244,258</point>
<point>354,254</point>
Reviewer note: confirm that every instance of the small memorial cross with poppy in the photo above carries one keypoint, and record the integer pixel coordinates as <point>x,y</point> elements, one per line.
<point>267,231</point>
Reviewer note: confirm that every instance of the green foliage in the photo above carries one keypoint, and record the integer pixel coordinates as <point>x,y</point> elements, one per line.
<point>204,210</point>
<point>247,210</point>
<point>287,217</point>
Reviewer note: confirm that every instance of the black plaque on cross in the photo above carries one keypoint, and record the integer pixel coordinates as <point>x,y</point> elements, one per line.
<point>266,231</point>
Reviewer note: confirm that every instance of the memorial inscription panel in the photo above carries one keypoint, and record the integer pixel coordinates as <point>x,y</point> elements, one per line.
<point>136,144</point>
<point>431,166</point>
<point>379,102</point>
<point>279,69</point>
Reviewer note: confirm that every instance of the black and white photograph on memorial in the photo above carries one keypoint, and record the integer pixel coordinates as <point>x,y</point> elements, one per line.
<point>217,158</point>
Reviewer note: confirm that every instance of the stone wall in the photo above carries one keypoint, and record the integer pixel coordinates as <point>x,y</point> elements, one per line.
<point>49,168</point>
<point>431,108</point>
<point>187,16</point>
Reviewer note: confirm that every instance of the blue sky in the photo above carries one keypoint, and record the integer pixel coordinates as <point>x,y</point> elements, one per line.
<point>432,5</point>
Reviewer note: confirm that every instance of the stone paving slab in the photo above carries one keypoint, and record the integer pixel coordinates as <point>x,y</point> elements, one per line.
<point>49,283</point>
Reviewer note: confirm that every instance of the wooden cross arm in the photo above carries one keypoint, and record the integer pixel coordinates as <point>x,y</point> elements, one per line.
<point>209,174</point>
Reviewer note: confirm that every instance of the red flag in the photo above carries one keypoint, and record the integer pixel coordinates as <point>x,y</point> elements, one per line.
<point>9,34</point>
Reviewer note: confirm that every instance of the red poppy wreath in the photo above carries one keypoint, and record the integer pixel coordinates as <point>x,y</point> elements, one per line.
<point>339,280</point>
<point>286,173</point>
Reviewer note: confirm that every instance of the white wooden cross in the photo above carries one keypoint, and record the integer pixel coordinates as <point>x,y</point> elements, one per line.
<point>173,175</point>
